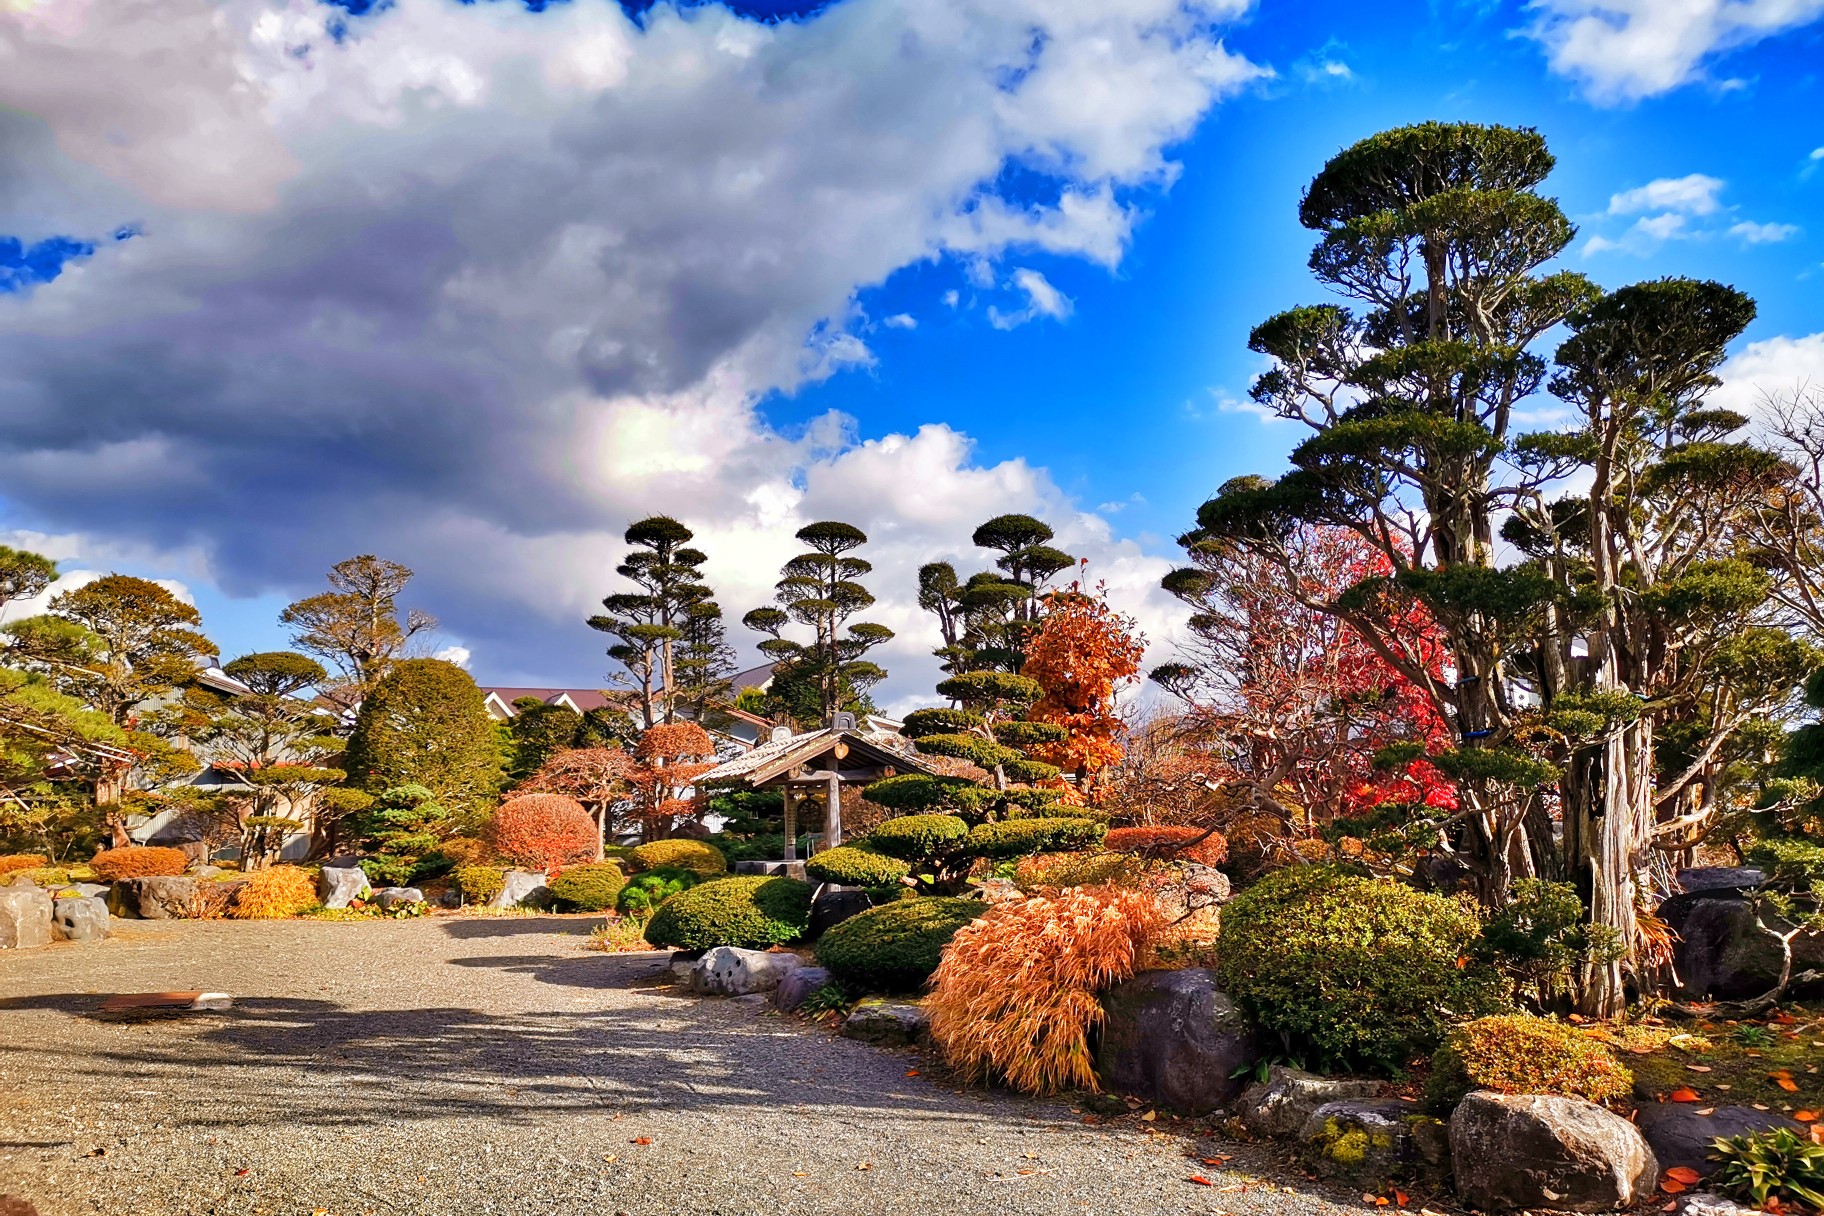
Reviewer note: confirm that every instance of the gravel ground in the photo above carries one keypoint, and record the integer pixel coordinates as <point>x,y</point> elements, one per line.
<point>490,1065</point>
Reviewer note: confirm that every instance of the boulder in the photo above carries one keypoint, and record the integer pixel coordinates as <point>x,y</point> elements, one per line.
<point>521,886</point>
<point>1514,1151</point>
<point>1679,1133</point>
<point>392,897</point>
<point>205,871</point>
<point>159,898</point>
<point>1720,955</point>
<point>832,905</point>
<point>1173,1038</point>
<point>1719,878</point>
<point>796,986</point>
<point>339,886</point>
<point>1000,891</point>
<point>772,869</point>
<point>25,917</point>
<point>1368,1141</point>
<point>449,897</point>
<point>886,1023</point>
<point>1703,1203</point>
<point>1282,1104</point>
<point>1193,893</point>
<point>89,888</point>
<point>79,918</point>
<point>730,971</point>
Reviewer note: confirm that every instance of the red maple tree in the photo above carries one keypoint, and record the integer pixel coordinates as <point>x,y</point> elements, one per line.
<point>667,762</point>
<point>1084,653</point>
<point>597,777</point>
<point>543,832</point>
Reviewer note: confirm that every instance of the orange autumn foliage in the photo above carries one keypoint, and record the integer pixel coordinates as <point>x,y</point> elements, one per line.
<point>1083,654</point>
<point>1202,845</point>
<point>1015,995</point>
<point>667,760</point>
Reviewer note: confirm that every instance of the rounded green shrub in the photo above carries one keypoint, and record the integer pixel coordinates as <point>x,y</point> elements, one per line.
<point>591,887</point>
<point>753,912</point>
<point>854,867</point>
<point>1521,1054</point>
<point>895,947</point>
<point>479,884</point>
<point>693,855</point>
<point>1352,972</point>
<point>1019,837</point>
<point>914,837</point>
<point>644,892</point>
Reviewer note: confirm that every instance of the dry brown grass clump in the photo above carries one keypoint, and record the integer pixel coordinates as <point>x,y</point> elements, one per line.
<point>1015,994</point>
<point>139,861</point>
<point>275,894</point>
<point>12,862</point>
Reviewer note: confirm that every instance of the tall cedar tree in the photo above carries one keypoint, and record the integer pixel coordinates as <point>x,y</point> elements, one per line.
<point>814,679</point>
<point>987,619</point>
<point>355,626</point>
<point>670,629</point>
<point>425,723</point>
<point>1286,701</point>
<point>1621,617</point>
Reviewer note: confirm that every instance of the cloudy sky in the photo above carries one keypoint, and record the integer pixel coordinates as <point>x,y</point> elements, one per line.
<point>472,285</point>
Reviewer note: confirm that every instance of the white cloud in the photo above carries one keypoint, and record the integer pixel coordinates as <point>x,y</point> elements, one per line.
<point>1770,368</point>
<point>901,320</point>
<point>459,655</point>
<point>1694,194</point>
<point>1762,234</point>
<point>1625,50</point>
<point>1042,300</point>
<point>474,286</point>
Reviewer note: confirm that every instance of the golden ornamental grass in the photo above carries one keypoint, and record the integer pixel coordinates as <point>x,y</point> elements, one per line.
<point>275,894</point>
<point>1015,995</point>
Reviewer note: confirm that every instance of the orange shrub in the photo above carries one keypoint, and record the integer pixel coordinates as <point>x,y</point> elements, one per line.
<point>138,861</point>
<point>275,893</point>
<point>13,862</point>
<point>544,832</point>
<point>1015,994</point>
<point>1170,843</point>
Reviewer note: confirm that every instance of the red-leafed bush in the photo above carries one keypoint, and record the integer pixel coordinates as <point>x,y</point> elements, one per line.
<point>1170,843</point>
<point>138,861</point>
<point>544,832</point>
<point>13,862</point>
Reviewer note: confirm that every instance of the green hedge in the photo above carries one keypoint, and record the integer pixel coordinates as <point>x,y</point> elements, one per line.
<point>1353,972</point>
<point>753,912</point>
<point>588,888</point>
<point>916,837</point>
<point>1019,837</point>
<point>479,884</point>
<point>856,867</point>
<point>644,892</point>
<point>896,947</point>
<point>693,855</point>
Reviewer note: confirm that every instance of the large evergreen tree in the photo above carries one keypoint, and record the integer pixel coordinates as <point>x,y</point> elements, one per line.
<point>425,723</point>
<point>818,589</point>
<point>356,626</point>
<point>669,628</point>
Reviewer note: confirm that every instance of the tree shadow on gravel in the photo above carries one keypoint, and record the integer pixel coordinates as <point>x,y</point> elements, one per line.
<point>466,928</point>
<point>274,1061</point>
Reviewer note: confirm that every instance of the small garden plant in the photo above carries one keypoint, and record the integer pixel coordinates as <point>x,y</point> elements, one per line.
<point>1521,1054</point>
<point>751,912</point>
<point>1770,1168</point>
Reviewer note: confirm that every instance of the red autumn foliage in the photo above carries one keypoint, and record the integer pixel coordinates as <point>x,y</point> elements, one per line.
<point>1084,653</point>
<point>597,777</point>
<point>543,832</point>
<point>1290,701</point>
<point>138,861</point>
<point>1170,843</point>
<point>667,760</point>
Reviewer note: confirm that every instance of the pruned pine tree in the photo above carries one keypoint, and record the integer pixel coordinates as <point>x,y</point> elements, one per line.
<point>819,590</point>
<point>987,619</point>
<point>356,627</point>
<point>653,621</point>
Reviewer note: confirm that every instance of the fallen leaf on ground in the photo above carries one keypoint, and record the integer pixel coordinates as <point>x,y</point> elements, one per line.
<point>864,1165</point>
<point>1787,1084</point>
<point>1200,1180</point>
<point>911,1072</point>
<point>1683,1094</point>
<point>1149,1116</point>
<point>801,1173</point>
<point>641,1140</point>
<point>1684,1174</point>
<point>1215,1160</point>
<point>1805,1116</point>
<point>1698,1067</point>
<point>1670,1187</point>
<point>241,1173</point>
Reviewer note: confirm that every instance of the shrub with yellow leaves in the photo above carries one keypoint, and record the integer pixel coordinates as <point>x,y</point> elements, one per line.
<point>1015,997</point>
<point>274,894</point>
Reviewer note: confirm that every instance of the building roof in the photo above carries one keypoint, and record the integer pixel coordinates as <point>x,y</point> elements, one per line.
<point>753,677</point>
<point>582,700</point>
<point>779,756</point>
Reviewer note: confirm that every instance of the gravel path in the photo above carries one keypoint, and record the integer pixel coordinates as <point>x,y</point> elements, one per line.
<point>490,1065</point>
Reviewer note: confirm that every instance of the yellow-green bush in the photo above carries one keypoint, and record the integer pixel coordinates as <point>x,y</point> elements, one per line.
<point>856,867</point>
<point>1019,837</point>
<point>479,884</point>
<point>1521,1054</point>
<point>753,912</point>
<point>1076,870</point>
<point>693,855</point>
<point>275,894</point>
<point>591,887</point>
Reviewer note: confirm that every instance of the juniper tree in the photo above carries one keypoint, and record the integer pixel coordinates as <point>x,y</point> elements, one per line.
<point>24,574</point>
<point>426,723</point>
<point>818,589</point>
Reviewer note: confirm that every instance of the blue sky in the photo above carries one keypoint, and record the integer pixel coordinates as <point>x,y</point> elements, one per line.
<point>473,286</point>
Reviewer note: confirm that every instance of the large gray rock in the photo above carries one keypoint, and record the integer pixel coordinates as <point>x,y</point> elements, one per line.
<point>205,871</point>
<point>1514,1151</point>
<point>79,918</point>
<point>1173,1038</point>
<point>1719,878</point>
<point>796,986</point>
<point>1679,1133</point>
<point>520,886</point>
<point>1283,1103</point>
<point>1371,1141</point>
<point>886,1023</point>
<point>393,897</point>
<point>89,888</point>
<point>25,917</point>
<point>772,869</point>
<point>832,905</point>
<point>1193,889</point>
<point>1720,955</point>
<point>159,898</point>
<point>339,886</point>
<point>1703,1203</point>
<point>730,971</point>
